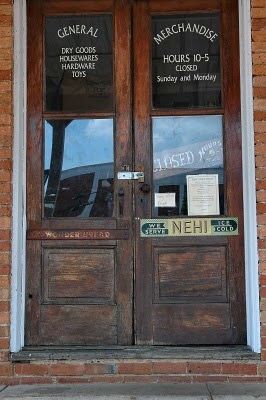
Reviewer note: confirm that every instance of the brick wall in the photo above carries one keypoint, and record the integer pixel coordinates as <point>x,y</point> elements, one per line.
<point>259,73</point>
<point>5,174</point>
<point>127,370</point>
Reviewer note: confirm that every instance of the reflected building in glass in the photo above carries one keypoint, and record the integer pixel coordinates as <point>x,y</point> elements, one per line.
<point>79,168</point>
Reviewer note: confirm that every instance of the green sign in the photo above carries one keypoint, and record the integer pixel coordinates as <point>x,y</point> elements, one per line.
<point>189,227</point>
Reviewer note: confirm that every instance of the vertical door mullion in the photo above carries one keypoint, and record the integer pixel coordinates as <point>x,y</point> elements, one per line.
<point>123,157</point>
<point>143,162</point>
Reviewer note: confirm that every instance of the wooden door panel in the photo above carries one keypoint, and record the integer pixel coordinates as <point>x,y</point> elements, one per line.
<point>187,290</point>
<point>190,274</point>
<point>79,280</point>
<point>184,324</point>
<point>78,325</point>
<point>78,275</point>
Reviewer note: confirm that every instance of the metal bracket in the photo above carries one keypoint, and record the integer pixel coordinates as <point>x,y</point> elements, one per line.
<point>128,175</point>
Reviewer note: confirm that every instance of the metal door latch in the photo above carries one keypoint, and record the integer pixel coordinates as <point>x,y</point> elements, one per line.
<point>128,175</point>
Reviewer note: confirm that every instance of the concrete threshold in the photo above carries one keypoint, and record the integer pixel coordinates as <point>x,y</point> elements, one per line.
<point>135,392</point>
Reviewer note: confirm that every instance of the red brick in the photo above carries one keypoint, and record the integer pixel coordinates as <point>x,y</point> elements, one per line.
<point>262,231</point>
<point>239,369</point>
<point>260,115</point>
<point>263,343</point>
<point>262,244</point>
<point>71,379</point>
<point>245,379</point>
<point>5,223</point>
<point>98,369</point>
<point>262,267</point>
<point>66,369</point>
<point>32,380</point>
<point>6,164</point>
<point>261,196</point>
<point>140,379</point>
<point>174,378</point>
<point>258,3</point>
<point>5,187</point>
<point>31,369</point>
<point>261,161</point>
<point>5,198</point>
<point>259,12</point>
<point>135,368</point>
<point>5,211</point>
<point>261,208</point>
<point>5,20</point>
<point>5,152</point>
<point>4,343</point>
<point>4,295</point>
<point>259,92</point>
<point>5,176</point>
<point>4,269</point>
<point>260,185</point>
<point>5,246</point>
<point>169,367</point>
<point>203,368</point>
<point>91,379</point>
<point>262,368</point>
<point>106,379</point>
<point>4,318</point>
<point>5,9</point>
<point>209,378</point>
<point>4,281</point>
<point>4,305</point>
<point>5,74</point>
<point>4,331</point>
<point>5,235</point>
<point>261,219</point>
<point>5,369</point>
<point>263,355</point>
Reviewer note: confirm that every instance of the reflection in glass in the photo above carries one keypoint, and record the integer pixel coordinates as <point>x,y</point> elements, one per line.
<point>79,168</point>
<point>79,63</point>
<point>185,146</point>
<point>186,71</point>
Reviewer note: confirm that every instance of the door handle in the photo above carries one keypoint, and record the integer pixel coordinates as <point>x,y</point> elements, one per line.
<point>145,188</point>
<point>121,200</point>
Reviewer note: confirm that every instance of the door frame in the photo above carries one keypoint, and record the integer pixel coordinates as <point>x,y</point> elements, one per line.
<point>19,179</point>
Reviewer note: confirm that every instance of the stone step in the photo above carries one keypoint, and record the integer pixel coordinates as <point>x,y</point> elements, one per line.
<point>135,392</point>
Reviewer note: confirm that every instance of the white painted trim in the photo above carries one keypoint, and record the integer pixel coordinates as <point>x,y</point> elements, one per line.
<point>19,179</point>
<point>249,182</point>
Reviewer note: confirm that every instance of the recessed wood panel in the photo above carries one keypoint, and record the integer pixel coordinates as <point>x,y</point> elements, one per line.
<point>194,272</point>
<point>77,325</point>
<point>191,323</point>
<point>79,274</point>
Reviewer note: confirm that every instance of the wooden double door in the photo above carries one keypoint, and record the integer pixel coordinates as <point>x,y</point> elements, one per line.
<point>133,113</point>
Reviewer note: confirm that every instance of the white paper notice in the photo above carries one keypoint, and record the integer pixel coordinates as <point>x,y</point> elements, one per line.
<point>203,195</point>
<point>165,200</point>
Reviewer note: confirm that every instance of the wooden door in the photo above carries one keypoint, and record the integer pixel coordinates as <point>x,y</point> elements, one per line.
<point>79,230</point>
<point>146,86</point>
<point>189,290</point>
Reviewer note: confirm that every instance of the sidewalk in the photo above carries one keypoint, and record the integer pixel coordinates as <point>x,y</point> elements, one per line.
<point>136,392</point>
